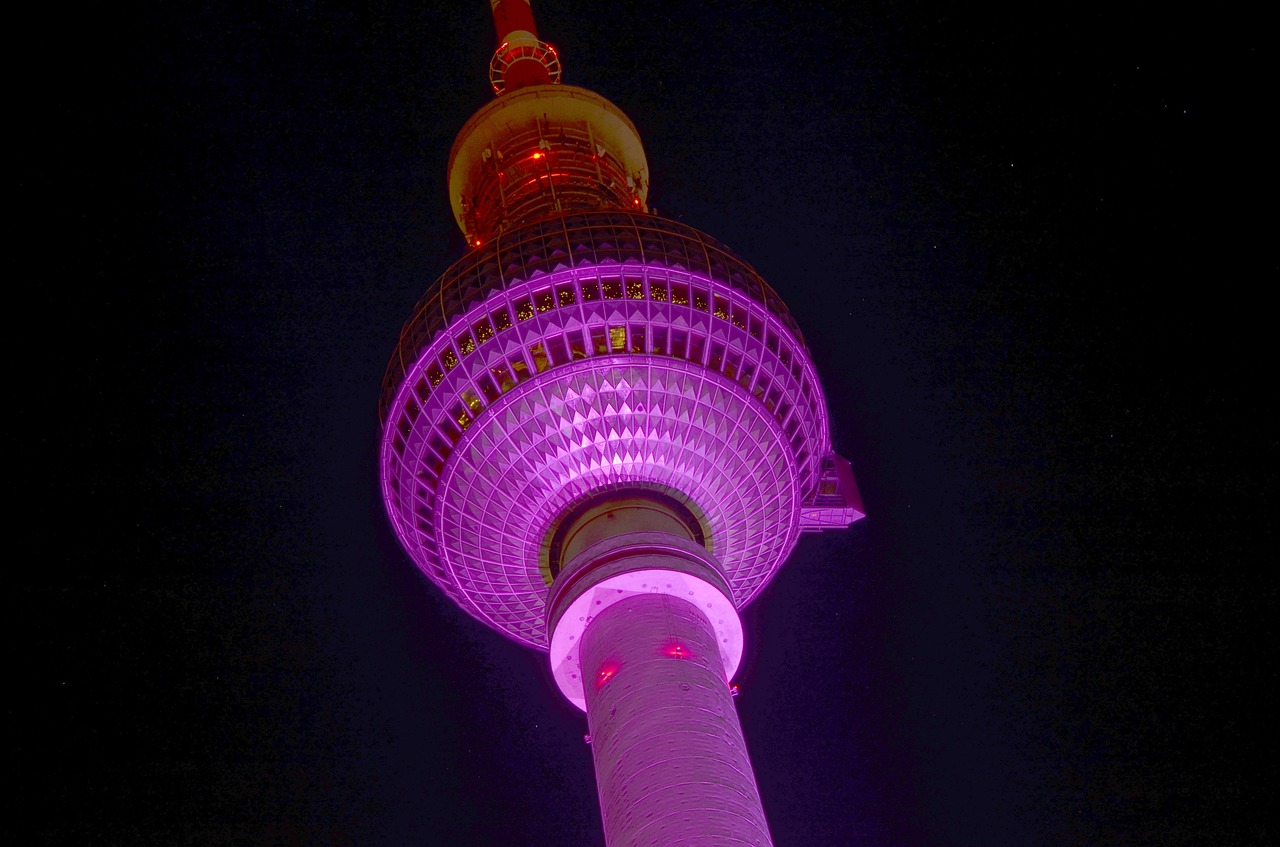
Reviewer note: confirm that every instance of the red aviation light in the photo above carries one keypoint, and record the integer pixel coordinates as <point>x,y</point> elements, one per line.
<point>537,155</point>
<point>607,672</point>
<point>677,651</point>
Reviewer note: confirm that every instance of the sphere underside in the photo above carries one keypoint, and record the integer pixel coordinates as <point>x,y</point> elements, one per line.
<point>551,369</point>
<point>633,422</point>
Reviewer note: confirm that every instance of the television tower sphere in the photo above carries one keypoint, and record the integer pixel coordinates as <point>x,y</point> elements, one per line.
<point>602,434</point>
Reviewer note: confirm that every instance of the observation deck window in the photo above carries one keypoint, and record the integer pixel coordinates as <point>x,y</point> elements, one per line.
<point>700,299</point>
<point>612,288</point>
<point>590,290</point>
<point>504,377</point>
<point>637,338</point>
<point>680,294</point>
<point>559,352</point>
<point>722,308</point>
<point>679,343</point>
<point>520,368</point>
<point>659,339</point>
<point>501,319</point>
<point>439,448</point>
<point>598,341</point>
<point>487,388</point>
<point>716,362</point>
<point>696,345</point>
<point>658,291</point>
<point>565,294</point>
<point>460,416</point>
<point>577,349</point>
<point>524,309</point>
<point>483,330</point>
<point>538,354</point>
<point>449,426</point>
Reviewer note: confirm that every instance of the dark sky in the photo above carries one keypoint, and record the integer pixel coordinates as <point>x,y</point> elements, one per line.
<point>1032,252</point>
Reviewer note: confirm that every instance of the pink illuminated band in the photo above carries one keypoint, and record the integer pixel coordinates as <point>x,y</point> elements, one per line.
<point>624,566</point>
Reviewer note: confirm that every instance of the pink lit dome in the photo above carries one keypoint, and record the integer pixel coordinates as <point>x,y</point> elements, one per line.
<point>594,351</point>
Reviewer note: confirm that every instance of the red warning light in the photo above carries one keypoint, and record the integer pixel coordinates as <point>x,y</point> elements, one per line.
<point>607,673</point>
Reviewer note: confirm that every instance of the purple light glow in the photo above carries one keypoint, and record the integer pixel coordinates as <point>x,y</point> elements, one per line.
<point>592,372</point>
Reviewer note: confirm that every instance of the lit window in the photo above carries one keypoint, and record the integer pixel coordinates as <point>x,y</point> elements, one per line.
<point>722,308</point>
<point>539,355</point>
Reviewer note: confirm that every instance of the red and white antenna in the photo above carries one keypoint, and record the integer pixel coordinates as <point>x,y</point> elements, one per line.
<point>521,58</point>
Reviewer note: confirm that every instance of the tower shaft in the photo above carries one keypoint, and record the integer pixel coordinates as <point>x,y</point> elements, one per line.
<point>671,763</point>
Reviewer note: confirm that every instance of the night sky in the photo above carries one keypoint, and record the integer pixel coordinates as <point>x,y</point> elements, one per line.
<point>1031,251</point>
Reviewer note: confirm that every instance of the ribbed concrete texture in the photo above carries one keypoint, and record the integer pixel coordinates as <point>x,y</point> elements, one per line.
<point>671,764</point>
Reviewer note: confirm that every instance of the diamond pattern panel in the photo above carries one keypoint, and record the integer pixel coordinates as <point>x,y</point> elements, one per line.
<point>650,421</point>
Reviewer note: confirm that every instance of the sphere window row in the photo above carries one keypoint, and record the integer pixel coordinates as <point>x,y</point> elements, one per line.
<point>596,239</point>
<point>486,383</point>
<point>634,287</point>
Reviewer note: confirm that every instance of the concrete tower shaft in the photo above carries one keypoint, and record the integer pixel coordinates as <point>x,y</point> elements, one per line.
<point>671,762</point>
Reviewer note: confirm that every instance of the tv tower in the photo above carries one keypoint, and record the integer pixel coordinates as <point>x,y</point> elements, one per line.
<point>602,435</point>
